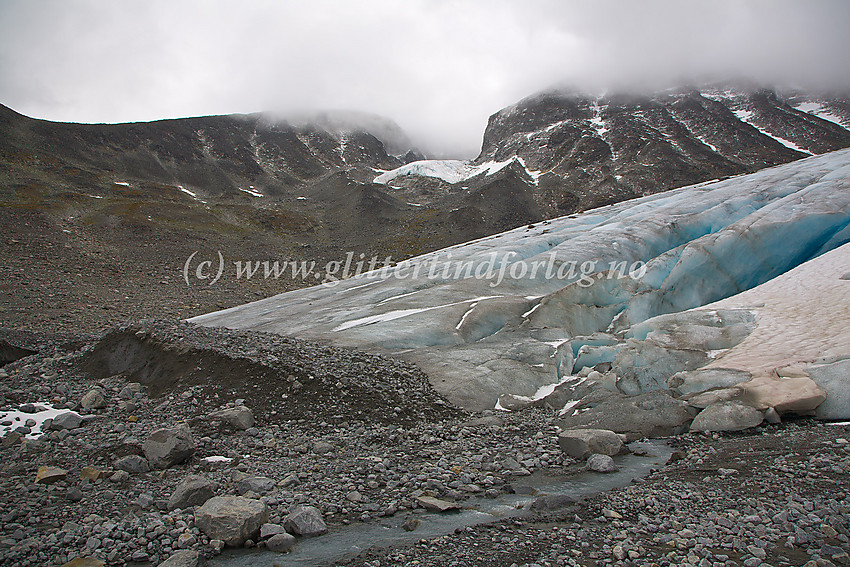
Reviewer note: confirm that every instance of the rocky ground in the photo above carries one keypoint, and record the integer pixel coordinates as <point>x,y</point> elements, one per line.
<point>372,446</point>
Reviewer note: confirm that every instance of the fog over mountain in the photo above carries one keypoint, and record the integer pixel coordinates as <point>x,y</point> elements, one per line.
<point>439,69</point>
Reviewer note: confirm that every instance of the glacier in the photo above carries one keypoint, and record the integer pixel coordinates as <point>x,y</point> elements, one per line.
<point>636,300</point>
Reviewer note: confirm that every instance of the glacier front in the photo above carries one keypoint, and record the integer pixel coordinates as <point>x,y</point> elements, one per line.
<point>607,299</point>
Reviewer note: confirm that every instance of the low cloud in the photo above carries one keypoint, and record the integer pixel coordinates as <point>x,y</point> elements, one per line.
<point>438,68</point>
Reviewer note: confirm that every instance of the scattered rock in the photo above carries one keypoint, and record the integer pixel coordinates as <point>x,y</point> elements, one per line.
<point>601,463</point>
<point>231,519</point>
<point>437,505</point>
<point>49,475</point>
<point>268,530</point>
<point>410,524</point>
<point>257,484</point>
<point>305,521</point>
<point>280,543</point>
<point>90,474</point>
<point>192,491</point>
<point>133,464</point>
<point>169,446</point>
<point>552,502</point>
<point>771,416</point>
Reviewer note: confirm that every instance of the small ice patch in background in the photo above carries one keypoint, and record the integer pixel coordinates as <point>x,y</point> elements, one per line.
<point>190,193</point>
<point>250,191</point>
<point>216,459</point>
<point>19,418</point>
<point>123,183</point>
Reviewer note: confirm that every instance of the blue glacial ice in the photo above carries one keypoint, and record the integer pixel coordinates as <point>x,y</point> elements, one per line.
<point>528,308</point>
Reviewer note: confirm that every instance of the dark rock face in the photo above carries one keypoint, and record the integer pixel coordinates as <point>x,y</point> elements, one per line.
<point>215,153</point>
<point>596,151</point>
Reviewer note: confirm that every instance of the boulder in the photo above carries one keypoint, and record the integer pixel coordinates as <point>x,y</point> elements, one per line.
<point>257,484</point>
<point>169,446</point>
<point>269,530</point>
<point>231,519</point>
<point>654,414</point>
<point>601,463</point>
<point>192,491</point>
<point>67,420</point>
<point>582,443</point>
<point>93,400</point>
<point>238,417</point>
<point>133,464</point>
<point>727,416</point>
<point>90,474</point>
<point>185,558</point>
<point>436,505</point>
<point>305,521</point>
<point>512,402</point>
<point>787,390</point>
<point>834,379</point>
<point>552,502</point>
<point>280,543</point>
<point>49,475</point>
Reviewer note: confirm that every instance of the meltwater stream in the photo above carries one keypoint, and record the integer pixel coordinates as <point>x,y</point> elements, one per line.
<point>347,541</point>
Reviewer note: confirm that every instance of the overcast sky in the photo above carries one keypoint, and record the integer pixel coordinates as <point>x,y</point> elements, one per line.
<point>438,68</point>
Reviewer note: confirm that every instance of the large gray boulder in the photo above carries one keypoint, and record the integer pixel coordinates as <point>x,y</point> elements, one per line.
<point>93,399</point>
<point>169,446</point>
<point>601,463</point>
<point>192,491</point>
<point>654,414</point>
<point>238,417</point>
<point>834,379</point>
<point>727,416</point>
<point>67,420</point>
<point>305,521</point>
<point>231,519</point>
<point>582,443</point>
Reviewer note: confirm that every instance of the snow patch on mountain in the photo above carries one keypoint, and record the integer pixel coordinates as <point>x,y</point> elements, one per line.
<point>746,116</point>
<point>449,170</point>
<point>819,110</point>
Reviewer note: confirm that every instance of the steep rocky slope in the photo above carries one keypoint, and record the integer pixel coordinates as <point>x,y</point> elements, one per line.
<point>584,151</point>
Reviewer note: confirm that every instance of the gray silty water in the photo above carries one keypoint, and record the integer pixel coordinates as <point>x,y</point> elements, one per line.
<point>347,541</point>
